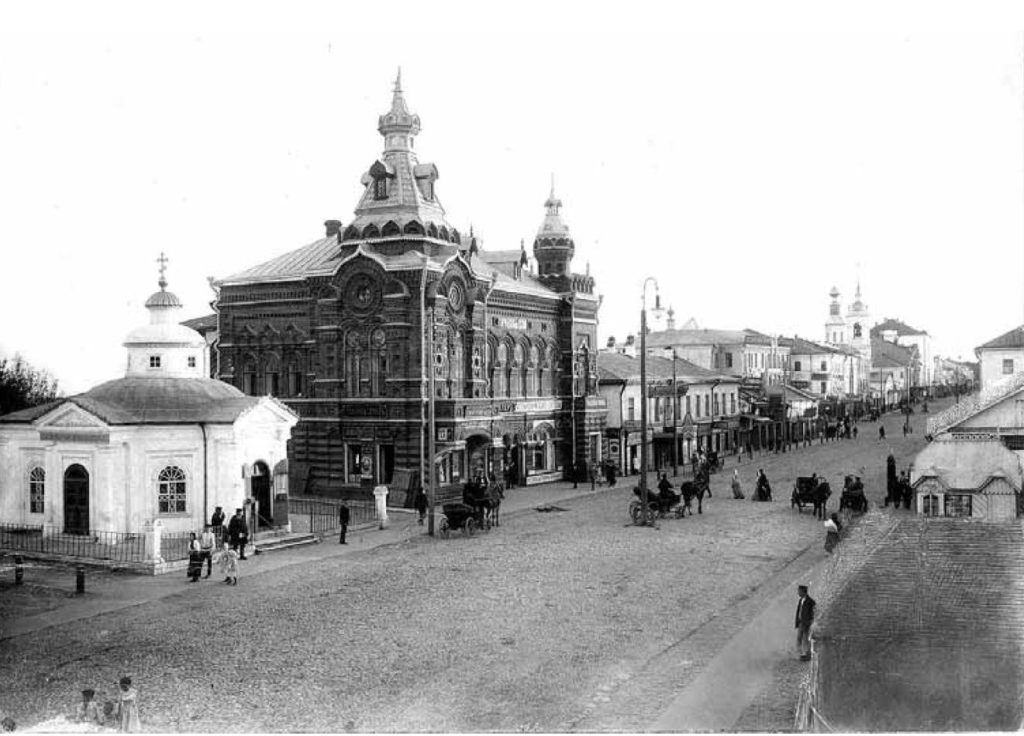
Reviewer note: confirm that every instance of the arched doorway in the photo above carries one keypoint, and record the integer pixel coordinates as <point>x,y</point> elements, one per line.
<point>76,500</point>
<point>261,493</point>
<point>478,455</point>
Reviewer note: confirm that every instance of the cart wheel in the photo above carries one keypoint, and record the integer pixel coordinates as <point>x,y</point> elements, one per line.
<point>444,528</point>
<point>680,511</point>
<point>471,526</point>
<point>634,511</point>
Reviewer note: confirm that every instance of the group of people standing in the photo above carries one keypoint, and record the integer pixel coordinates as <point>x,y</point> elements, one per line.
<point>201,548</point>
<point>898,488</point>
<point>122,715</point>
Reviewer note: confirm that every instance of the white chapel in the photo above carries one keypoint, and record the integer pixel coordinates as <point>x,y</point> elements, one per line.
<point>165,442</point>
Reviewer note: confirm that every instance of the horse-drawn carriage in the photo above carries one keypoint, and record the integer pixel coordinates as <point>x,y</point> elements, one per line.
<point>478,511</point>
<point>853,497</point>
<point>813,491</point>
<point>662,504</point>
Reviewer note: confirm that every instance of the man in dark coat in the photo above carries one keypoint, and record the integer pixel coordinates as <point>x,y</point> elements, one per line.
<point>238,533</point>
<point>421,506</point>
<point>804,619</point>
<point>218,519</point>
<point>892,494</point>
<point>343,517</point>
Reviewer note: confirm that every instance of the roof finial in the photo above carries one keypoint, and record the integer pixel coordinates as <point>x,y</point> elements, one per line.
<point>398,80</point>
<point>552,185</point>
<point>162,260</point>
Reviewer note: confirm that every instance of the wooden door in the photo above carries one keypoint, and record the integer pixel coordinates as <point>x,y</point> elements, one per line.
<point>76,500</point>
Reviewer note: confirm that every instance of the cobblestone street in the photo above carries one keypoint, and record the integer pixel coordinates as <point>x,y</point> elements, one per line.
<point>568,620</point>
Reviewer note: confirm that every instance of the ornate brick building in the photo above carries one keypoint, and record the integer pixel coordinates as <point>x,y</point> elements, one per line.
<point>339,330</point>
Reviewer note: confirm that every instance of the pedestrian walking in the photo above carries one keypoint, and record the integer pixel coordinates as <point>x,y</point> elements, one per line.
<point>421,506</point>
<point>229,565</point>
<point>207,542</point>
<point>763,489</point>
<point>892,494</point>
<point>195,559</point>
<point>238,533</point>
<point>832,527</point>
<point>855,431</point>
<point>881,433</point>
<point>343,518</point>
<point>128,707</point>
<point>804,619</point>
<point>737,490</point>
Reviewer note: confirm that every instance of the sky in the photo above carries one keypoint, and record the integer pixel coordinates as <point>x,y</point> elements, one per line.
<point>749,161</point>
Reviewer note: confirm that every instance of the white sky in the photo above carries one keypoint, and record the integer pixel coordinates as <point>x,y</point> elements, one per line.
<point>749,159</point>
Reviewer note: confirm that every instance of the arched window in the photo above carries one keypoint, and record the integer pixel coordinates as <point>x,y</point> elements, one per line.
<point>272,375</point>
<point>249,376</point>
<point>533,371</point>
<point>171,490</point>
<point>455,366</point>
<point>378,361</point>
<point>36,490</point>
<point>294,379</point>
<point>517,374</point>
<point>931,505</point>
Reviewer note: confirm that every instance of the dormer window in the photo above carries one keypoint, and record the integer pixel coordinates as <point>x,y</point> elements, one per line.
<point>380,188</point>
<point>154,361</point>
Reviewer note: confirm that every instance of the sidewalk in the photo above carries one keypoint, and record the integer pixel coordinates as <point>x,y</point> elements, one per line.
<point>108,591</point>
<point>716,699</point>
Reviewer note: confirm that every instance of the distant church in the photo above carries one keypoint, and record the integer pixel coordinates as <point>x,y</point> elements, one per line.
<point>348,329</point>
<point>165,442</point>
<point>851,334</point>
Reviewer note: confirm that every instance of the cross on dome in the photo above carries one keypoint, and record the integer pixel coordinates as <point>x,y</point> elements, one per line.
<point>162,260</point>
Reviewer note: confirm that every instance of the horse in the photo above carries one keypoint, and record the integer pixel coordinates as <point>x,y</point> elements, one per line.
<point>690,490</point>
<point>491,502</point>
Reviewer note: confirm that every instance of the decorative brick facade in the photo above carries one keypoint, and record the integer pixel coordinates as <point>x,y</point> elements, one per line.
<point>340,331</point>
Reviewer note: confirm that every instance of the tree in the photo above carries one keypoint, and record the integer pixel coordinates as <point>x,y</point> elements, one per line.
<point>23,386</point>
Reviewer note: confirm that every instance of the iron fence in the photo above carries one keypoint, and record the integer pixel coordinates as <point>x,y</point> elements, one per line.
<point>320,515</point>
<point>99,545</point>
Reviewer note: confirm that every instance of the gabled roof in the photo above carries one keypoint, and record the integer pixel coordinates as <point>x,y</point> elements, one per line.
<point>618,368</point>
<point>696,337</point>
<point>202,324</point>
<point>890,355</point>
<point>902,328</point>
<point>792,393</point>
<point>800,346</point>
<point>1012,339</point>
<point>962,464</point>
<point>139,400</point>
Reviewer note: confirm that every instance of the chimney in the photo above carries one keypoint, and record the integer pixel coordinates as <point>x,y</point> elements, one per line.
<point>333,229</point>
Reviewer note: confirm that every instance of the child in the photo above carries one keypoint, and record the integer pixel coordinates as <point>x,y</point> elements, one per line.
<point>128,708</point>
<point>87,710</point>
<point>229,565</point>
<point>195,559</point>
<point>109,716</point>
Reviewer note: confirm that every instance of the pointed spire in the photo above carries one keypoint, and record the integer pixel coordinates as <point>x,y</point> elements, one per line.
<point>553,203</point>
<point>398,106</point>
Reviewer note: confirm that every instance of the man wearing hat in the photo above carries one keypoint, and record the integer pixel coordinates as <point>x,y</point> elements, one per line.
<point>238,533</point>
<point>804,619</point>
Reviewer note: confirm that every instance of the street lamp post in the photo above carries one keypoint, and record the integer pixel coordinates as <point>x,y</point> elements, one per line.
<point>675,419</point>
<point>644,520</point>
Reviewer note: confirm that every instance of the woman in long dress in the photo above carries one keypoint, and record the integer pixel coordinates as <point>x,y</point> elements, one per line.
<point>737,489</point>
<point>128,708</point>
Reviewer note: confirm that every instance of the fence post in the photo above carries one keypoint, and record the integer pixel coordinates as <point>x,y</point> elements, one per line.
<point>380,494</point>
<point>154,533</point>
<point>19,570</point>
<point>79,579</point>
